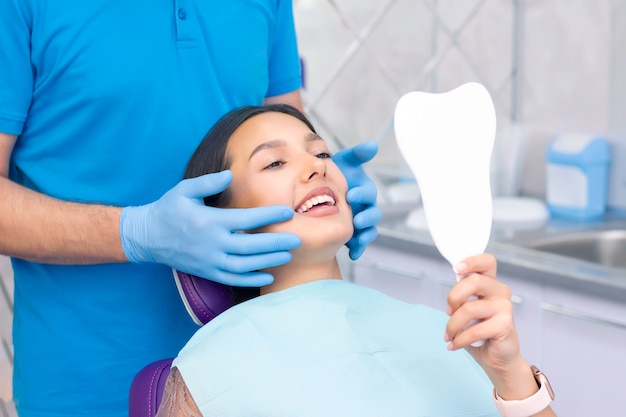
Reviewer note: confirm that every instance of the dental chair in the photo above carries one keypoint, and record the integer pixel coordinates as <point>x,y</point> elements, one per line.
<point>204,300</point>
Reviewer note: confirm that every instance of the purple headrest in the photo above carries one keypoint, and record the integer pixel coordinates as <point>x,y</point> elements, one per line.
<point>147,389</point>
<point>203,299</point>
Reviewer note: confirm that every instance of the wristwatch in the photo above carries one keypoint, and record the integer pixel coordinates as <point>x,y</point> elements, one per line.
<point>528,406</point>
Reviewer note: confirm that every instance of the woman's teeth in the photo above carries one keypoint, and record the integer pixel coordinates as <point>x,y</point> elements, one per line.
<point>320,199</point>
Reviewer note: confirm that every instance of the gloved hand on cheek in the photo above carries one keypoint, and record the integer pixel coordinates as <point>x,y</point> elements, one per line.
<point>361,195</point>
<point>178,230</point>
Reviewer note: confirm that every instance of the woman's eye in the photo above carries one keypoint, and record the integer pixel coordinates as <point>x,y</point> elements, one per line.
<point>275,165</point>
<point>324,155</point>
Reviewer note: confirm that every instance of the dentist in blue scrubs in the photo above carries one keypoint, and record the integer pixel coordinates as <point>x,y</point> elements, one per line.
<point>101,106</point>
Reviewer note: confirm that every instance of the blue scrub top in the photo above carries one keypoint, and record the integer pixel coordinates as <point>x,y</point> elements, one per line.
<point>109,99</point>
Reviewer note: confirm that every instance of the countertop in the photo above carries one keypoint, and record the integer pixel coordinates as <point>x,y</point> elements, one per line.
<point>516,260</point>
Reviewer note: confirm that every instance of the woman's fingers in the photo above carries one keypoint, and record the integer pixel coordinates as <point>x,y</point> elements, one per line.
<point>476,286</point>
<point>484,264</point>
<point>495,320</point>
<point>479,305</point>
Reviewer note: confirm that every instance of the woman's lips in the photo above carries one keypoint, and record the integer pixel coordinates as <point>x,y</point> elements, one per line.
<point>322,197</point>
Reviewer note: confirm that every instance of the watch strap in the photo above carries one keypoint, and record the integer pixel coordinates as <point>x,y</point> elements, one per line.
<point>528,406</point>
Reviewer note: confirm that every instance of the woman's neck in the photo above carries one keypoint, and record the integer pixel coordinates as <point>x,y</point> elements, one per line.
<point>296,273</point>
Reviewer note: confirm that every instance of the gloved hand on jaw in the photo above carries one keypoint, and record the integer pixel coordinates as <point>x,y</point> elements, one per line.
<point>361,195</point>
<point>178,230</point>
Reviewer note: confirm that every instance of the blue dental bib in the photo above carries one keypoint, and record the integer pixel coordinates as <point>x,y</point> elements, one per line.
<point>331,348</point>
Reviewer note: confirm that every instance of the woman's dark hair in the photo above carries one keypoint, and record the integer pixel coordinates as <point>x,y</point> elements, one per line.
<point>210,156</point>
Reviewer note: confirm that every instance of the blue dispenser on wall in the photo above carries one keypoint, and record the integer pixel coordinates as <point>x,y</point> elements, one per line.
<point>577,176</point>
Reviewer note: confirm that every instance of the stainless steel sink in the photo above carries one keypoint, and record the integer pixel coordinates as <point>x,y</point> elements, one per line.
<point>602,243</point>
<point>604,247</point>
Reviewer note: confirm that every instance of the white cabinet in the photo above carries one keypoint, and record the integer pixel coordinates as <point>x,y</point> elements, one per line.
<point>526,298</point>
<point>578,340</point>
<point>584,353</point>
<point>402,276</point>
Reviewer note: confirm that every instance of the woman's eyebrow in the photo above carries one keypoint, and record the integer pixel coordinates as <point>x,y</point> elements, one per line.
<point>309,137</point>
<point>267,145</point>
<point>312,136</point>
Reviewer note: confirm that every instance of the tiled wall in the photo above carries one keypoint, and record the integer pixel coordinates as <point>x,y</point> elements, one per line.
<point>545,62</point>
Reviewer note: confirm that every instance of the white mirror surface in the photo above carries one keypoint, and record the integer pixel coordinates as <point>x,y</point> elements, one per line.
<point>447,140</point>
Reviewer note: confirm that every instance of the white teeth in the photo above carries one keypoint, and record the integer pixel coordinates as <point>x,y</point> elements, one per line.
<point>320,199</point>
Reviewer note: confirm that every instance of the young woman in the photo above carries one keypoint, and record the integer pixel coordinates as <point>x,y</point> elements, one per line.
<point>310,344</point>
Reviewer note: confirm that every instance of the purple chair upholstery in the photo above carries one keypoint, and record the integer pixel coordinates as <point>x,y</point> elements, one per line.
<point>204,300</point>
<point>146,391</point>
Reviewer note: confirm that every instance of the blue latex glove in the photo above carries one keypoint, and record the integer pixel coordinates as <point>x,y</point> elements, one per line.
<point>180,231</point>
<point>361,195</point>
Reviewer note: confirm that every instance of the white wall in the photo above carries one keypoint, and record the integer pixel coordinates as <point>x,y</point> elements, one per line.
<point>6,348</point>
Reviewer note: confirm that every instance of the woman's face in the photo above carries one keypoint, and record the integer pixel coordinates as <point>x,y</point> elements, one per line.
<point>277,159</point>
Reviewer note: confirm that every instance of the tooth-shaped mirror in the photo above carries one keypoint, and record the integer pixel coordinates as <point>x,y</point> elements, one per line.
<point>447,140</point>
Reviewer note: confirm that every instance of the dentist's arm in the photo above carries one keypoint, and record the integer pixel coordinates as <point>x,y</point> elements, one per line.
<point>500,356</point>
<point>177,230</point>
<point>43,229</point>
<point>293,98</point>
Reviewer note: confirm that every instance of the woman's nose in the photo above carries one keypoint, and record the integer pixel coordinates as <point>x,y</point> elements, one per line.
<point>314,167</point>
